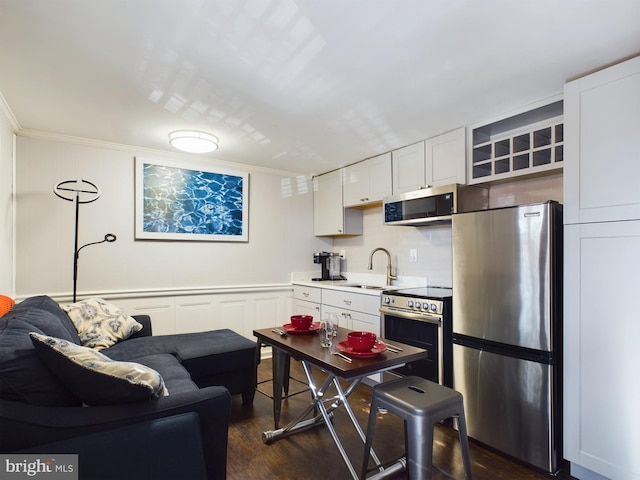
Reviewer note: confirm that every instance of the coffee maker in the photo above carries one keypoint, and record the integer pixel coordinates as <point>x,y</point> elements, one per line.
<point>329,265</point>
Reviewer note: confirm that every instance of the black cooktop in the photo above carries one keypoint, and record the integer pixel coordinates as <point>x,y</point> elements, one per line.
<point>435,293</point>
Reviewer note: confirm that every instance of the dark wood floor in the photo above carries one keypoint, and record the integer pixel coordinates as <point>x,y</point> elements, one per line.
<point>313,455</point>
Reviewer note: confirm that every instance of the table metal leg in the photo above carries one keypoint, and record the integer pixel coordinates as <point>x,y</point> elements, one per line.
<point>280,374</point>
<point>324,418</point>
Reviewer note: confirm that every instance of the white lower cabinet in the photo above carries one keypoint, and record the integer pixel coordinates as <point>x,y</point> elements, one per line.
<point>306,301</point>
<point>355,311</point>
<point>601,332</point>
<point>302,307</point>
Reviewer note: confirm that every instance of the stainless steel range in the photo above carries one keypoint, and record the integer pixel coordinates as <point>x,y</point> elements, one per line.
<point>421,317</point>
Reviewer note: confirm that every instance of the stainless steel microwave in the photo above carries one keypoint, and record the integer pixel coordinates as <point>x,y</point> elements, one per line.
<point>433,205</point>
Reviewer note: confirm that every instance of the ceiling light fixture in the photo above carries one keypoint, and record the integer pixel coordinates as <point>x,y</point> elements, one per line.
<point>193,141</point>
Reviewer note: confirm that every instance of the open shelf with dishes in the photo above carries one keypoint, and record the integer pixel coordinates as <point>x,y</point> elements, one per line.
<point>524,143</point>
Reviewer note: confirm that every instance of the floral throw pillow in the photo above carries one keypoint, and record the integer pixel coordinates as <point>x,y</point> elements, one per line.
<point>99,323</point>
<point>95,378</point>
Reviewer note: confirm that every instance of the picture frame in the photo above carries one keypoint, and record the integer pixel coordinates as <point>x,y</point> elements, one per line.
<point>189,200</point>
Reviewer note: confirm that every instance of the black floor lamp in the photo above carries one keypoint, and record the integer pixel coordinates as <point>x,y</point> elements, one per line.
<point>79,191</point>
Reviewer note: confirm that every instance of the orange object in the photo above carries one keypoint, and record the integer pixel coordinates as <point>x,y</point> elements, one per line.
<point>6,304</point>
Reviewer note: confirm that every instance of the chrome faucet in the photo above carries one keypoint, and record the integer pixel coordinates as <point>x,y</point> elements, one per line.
<point>370,266</point>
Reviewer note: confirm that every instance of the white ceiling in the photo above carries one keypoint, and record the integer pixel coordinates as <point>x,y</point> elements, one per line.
<point>297,85</point>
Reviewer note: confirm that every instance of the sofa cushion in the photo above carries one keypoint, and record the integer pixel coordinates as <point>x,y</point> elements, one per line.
<point>56,324</point>
<point>99,323</point>
<point>203,354</point>
<point>176,377</point>
<point>23,375</point>
<point>94,377</point>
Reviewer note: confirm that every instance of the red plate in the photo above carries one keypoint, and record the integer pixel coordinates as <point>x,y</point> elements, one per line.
<point>377,349</point>
<point>313,328</point>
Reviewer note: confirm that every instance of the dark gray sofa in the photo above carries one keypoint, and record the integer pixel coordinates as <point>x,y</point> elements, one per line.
<point>201,371</point>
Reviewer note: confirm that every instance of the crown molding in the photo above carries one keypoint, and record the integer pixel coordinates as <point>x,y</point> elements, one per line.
<point>8,115</point>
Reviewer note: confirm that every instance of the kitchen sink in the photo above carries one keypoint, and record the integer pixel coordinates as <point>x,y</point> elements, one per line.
<point>368,287</point>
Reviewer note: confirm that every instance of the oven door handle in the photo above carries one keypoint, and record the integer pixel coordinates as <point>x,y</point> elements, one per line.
<point>421,317</point>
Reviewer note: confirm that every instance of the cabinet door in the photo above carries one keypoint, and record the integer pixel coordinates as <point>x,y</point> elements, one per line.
<point>408,168</point>
<point>356,184</point>
<point>365,322</point>
<point>368,181</point>
<point>601,332</point>
<point>303,307</point>
<point>329,215</point>
<point>602,145</point>
<point>344,319</point>
<point>327,204</point>
<point>380,184</point>
<point>446,158</point>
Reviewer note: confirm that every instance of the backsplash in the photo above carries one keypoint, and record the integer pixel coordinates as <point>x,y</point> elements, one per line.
<point>522,192</point>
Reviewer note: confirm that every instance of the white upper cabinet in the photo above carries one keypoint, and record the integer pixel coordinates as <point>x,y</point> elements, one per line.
<point>602,159</point>
<point>329,215</point>
<point>408,168</point>
<point>437,161</point>
<point>527,141</point>
<point>368,181</point>
<point>445,157</point>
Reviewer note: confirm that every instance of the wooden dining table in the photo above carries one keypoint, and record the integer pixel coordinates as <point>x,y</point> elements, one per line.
<point>306,348</point>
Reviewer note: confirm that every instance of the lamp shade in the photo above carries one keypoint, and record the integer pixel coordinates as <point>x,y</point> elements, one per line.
<point>193,141</point>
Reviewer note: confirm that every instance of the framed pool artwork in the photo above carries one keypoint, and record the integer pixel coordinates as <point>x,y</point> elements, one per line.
<point>186,200</point>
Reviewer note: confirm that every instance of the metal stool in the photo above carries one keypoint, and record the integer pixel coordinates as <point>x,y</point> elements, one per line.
<point>421,404</point>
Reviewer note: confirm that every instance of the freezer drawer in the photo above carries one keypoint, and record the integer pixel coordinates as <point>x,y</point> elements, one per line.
<point>508,404</point>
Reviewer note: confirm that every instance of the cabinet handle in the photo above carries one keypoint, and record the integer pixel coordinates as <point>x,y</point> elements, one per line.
<point>305,294</point>
<point>317,309</point>
<point>347,302</point>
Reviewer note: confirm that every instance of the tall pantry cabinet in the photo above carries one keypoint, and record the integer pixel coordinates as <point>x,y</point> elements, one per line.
<point>602,273</point>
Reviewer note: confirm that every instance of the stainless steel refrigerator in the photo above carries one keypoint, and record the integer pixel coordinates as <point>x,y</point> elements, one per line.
<point>507,329</point>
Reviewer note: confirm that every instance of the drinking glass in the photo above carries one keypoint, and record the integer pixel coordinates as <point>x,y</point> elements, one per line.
<point>328,328</point>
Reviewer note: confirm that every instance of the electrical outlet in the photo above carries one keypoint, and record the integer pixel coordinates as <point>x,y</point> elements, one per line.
<point>343,254</point>
<point>413,255</point>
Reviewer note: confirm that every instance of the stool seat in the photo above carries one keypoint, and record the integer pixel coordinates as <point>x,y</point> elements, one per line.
<point>422,404</point>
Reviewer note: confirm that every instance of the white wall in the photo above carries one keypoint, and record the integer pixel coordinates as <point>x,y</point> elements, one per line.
<point>280,228</point>
<point>6,208</point>
<point>281,237</point>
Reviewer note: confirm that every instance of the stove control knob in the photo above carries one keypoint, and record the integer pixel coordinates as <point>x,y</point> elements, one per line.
<point>386,300</point>
<point>434,307</point>
<point>409,303</point>
<point>425,306</point>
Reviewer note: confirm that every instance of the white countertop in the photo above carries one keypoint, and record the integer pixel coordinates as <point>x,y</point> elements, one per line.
<point>375,280</point>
